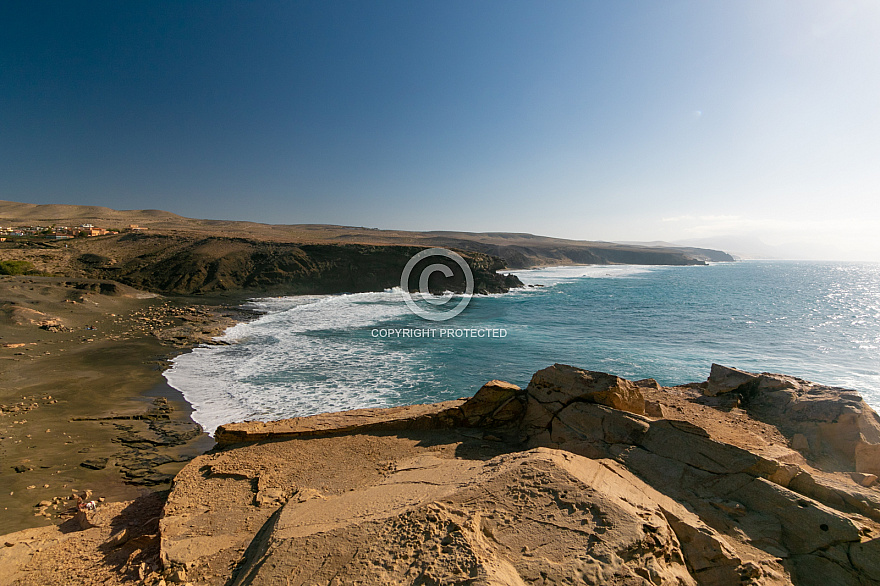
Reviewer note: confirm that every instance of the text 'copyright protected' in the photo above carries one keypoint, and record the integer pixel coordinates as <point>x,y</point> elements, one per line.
<point>439,333</point>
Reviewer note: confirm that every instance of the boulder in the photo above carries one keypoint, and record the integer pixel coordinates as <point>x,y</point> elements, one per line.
<point>496,403</point>
<point>723,379</point>
<point>648,383</point>
<point>564,384</point>
<point>830,425</point>
<point>655,409</point>
<point>866,480</point>
<point>119,538</point>
<point>867,458</point>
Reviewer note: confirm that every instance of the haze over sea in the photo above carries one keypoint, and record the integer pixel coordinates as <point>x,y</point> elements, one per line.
<point>816,320</point>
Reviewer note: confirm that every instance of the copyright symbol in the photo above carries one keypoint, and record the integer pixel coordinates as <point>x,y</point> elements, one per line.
<point>423,284</point>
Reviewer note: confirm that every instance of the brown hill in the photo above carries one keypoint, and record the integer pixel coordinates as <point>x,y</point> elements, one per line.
<point>516,249</point>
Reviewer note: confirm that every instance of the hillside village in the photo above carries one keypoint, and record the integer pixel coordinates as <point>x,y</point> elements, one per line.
<point>61,232</point>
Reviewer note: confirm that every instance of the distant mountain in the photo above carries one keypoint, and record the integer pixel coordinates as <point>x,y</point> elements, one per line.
<point>746,248</point>
<point>706,254</point>
<point>518,250</point>
<point>752,247</point>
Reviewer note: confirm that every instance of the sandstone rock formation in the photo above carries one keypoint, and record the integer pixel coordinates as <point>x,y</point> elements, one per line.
<point>565,481</point>
<point>515,519</point>
<point>829,424</point>
<point>569,481</point>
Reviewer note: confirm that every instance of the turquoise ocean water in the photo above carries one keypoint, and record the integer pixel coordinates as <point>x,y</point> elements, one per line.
<point>816,320</point>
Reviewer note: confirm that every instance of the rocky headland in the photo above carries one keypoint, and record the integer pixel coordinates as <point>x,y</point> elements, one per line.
<point>580,478</point>
<point>184,266</point>
<point>227,254</point>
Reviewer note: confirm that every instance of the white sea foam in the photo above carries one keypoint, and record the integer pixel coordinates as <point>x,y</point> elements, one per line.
<point>549,276</point>
<point>311,354</point>
<point>303,356</point>
<point>300,358</point>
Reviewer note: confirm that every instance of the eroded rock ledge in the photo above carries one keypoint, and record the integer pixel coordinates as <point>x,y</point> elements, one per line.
<point>582,477</point>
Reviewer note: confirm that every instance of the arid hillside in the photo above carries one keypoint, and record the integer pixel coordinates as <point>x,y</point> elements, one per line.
<point>183,264</point>
<point>517,250</point>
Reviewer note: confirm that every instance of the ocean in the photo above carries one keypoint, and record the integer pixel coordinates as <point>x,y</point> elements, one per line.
<point>311,354</point>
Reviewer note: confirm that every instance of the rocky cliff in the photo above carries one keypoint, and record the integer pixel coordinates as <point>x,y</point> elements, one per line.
<point>191,265</point>
<point>580,478</point>
<point>526,250</point>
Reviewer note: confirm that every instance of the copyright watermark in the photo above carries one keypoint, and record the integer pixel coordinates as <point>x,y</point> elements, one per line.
<point>425,293</point>
<point>439,332</point>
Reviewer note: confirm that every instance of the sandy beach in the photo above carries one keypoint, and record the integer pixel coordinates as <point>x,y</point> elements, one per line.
<point>83,404</point>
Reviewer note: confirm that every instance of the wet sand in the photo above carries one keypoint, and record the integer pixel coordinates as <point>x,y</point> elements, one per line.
<point>83,404</point>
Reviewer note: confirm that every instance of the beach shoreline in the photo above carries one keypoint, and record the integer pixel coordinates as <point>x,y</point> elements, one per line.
<point>84,404</point>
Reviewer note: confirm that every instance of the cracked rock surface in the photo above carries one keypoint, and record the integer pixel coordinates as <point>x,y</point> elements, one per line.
<point>581,478</point>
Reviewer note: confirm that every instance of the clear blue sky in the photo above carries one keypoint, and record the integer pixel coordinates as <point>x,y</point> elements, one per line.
<point>591,120</point>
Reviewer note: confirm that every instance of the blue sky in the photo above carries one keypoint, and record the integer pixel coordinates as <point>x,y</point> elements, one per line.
<point>611,121</point>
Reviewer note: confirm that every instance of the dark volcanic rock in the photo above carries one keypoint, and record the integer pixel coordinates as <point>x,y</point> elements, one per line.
<point>186,265</point>
<point>95,463</point>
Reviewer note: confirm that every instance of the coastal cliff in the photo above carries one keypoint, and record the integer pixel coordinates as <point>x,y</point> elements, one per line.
<point>582,477</point>
<point>189,265</point>
<point>238,268</point>
<point>516,250</point>
<point>525,250</point>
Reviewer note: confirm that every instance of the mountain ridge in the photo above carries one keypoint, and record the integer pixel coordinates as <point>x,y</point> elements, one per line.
<point>517,250</point>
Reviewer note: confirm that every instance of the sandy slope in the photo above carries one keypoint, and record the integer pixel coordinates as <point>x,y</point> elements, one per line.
<point>74,351</point>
